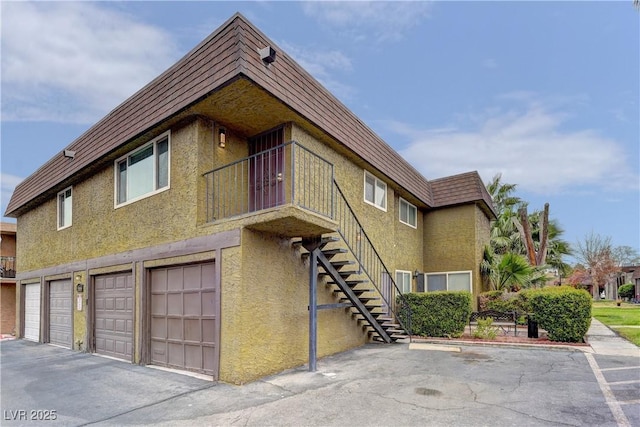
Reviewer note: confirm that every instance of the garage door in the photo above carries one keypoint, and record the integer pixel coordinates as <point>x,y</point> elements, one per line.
<point>32,312</point>
<point>185,306</point>
<point>60,311</point>
<point>113,326</point>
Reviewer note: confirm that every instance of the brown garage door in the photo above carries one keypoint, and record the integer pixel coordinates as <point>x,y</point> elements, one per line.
<point>113,324</point>
<point>60,311</point>
<point>185,307</point>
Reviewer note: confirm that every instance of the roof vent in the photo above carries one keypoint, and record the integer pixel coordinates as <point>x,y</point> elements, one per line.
<point>267,54</point>
<point>70,154</point>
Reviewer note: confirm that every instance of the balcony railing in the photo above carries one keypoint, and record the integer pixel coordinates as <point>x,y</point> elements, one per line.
<point>8,266</point>
<point>286,174</point>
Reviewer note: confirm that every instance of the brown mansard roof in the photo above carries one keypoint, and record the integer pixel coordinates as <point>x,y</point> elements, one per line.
<point>229,54</point>
<point>461,189</point>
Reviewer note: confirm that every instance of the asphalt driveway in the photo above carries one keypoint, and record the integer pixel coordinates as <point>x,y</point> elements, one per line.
<point>401,384</point>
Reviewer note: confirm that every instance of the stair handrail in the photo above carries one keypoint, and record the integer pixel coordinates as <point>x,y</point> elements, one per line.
<point>358,234</point>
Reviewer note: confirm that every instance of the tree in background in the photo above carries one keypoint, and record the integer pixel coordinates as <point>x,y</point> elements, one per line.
<point>596,254</point>
<point>625,255</point>
<point>530,239</point>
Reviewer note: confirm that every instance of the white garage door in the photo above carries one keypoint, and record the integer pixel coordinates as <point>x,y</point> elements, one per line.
<point>32,312</point>
<point>60,311</point>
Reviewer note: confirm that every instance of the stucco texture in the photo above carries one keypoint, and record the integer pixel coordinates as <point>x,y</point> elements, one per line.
<point>265,295</point>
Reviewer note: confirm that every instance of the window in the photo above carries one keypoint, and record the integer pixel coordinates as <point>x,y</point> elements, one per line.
<point>64,208</point>
<point>375,191</point>
<point>143,172</point>
<point>403,281</point>
<point>408,213</point>
<point>453,281</point>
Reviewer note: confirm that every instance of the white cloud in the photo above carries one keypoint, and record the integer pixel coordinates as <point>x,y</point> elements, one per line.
<point>528,146</point>
<point>75,61</point>
<point>370,20</point>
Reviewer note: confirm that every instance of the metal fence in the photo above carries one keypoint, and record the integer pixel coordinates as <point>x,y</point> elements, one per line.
<point>8,266</point>
<point>286,174</point>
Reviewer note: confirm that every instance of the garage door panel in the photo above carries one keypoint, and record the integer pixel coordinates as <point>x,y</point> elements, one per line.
<point>174,329</point>
<point>113,325</point>
<point>191,303</point>
<point>192,330</point>
<point>208,331</point>
<point>175,354</point>
<point>60,313</point>
<point>174,304</point>
<point>209,303</point>
<point>184,336</point>
<point>158,305</point>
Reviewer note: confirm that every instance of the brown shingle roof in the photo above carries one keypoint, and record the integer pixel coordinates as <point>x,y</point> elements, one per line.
<point>229,53</point>
<point>461,189</point>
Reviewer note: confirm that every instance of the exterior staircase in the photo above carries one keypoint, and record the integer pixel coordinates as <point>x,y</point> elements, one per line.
<point>348,262</point>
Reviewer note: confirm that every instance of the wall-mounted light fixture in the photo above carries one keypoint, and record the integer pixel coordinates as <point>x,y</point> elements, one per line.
<point>79,286</point>
<point>416,274</point>
<point>267,54</point>
<point>222,137</point>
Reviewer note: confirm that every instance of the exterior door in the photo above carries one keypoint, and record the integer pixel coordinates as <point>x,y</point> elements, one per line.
<point>266,171</point>
<point>60,313</point>
<point>185,310</point>
<point>113,316</point>
<point>32,312</point>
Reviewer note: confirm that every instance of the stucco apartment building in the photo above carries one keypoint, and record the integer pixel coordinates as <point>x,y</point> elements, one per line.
<point>7,278</point>
<point>188,227</point>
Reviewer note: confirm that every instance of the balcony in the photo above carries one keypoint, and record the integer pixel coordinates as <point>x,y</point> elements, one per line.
<point>286,190</point>
<point>7,267</point>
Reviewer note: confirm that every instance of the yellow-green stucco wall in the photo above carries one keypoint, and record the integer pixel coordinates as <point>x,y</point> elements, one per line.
<point>454,239</point>
<point>265,293</point>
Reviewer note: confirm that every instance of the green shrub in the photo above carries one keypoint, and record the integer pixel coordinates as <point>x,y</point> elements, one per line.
<point>438,314</point>
<point>564,312</point>
<point>626,291</point>
<point>506,301</point>
<point>485,329</point>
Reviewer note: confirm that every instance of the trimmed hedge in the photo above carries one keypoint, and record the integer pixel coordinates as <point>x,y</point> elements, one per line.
<point>626,290</point>
<point>439,314</point>
<point>564,312</point>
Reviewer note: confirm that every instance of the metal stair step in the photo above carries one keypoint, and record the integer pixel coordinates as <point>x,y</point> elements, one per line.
<point>332,252</point>
<point>339,264</point>
<point>342,273</point>
<point>350,283</point>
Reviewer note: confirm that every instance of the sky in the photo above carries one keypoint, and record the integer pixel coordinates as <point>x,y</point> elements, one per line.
<point>546,94</point>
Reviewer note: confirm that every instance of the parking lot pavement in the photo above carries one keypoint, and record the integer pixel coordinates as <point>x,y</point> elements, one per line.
<point>376,384</point>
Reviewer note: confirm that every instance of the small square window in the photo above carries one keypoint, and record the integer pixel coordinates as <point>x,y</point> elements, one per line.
<point>408,213</point>
<point>375,191</point>
<point>65,206</point>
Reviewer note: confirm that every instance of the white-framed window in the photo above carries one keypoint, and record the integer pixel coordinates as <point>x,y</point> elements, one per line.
<point>65,208</point>
<point>448,281</point>
<point>375,191</point>
<point>143,172</point>
<point>403,281</point>
<point>408,213</point>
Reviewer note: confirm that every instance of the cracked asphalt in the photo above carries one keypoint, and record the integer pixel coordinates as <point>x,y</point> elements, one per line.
<point>375,385</point>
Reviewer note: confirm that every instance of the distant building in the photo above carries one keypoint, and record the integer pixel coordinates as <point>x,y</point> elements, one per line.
<point>7,278</point>
<point>627,274</point>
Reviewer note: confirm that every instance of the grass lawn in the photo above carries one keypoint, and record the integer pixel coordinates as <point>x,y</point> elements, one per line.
<point>626,315</point>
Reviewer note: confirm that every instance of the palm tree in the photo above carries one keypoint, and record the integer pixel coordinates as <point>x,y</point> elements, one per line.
<point>502,262</point>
